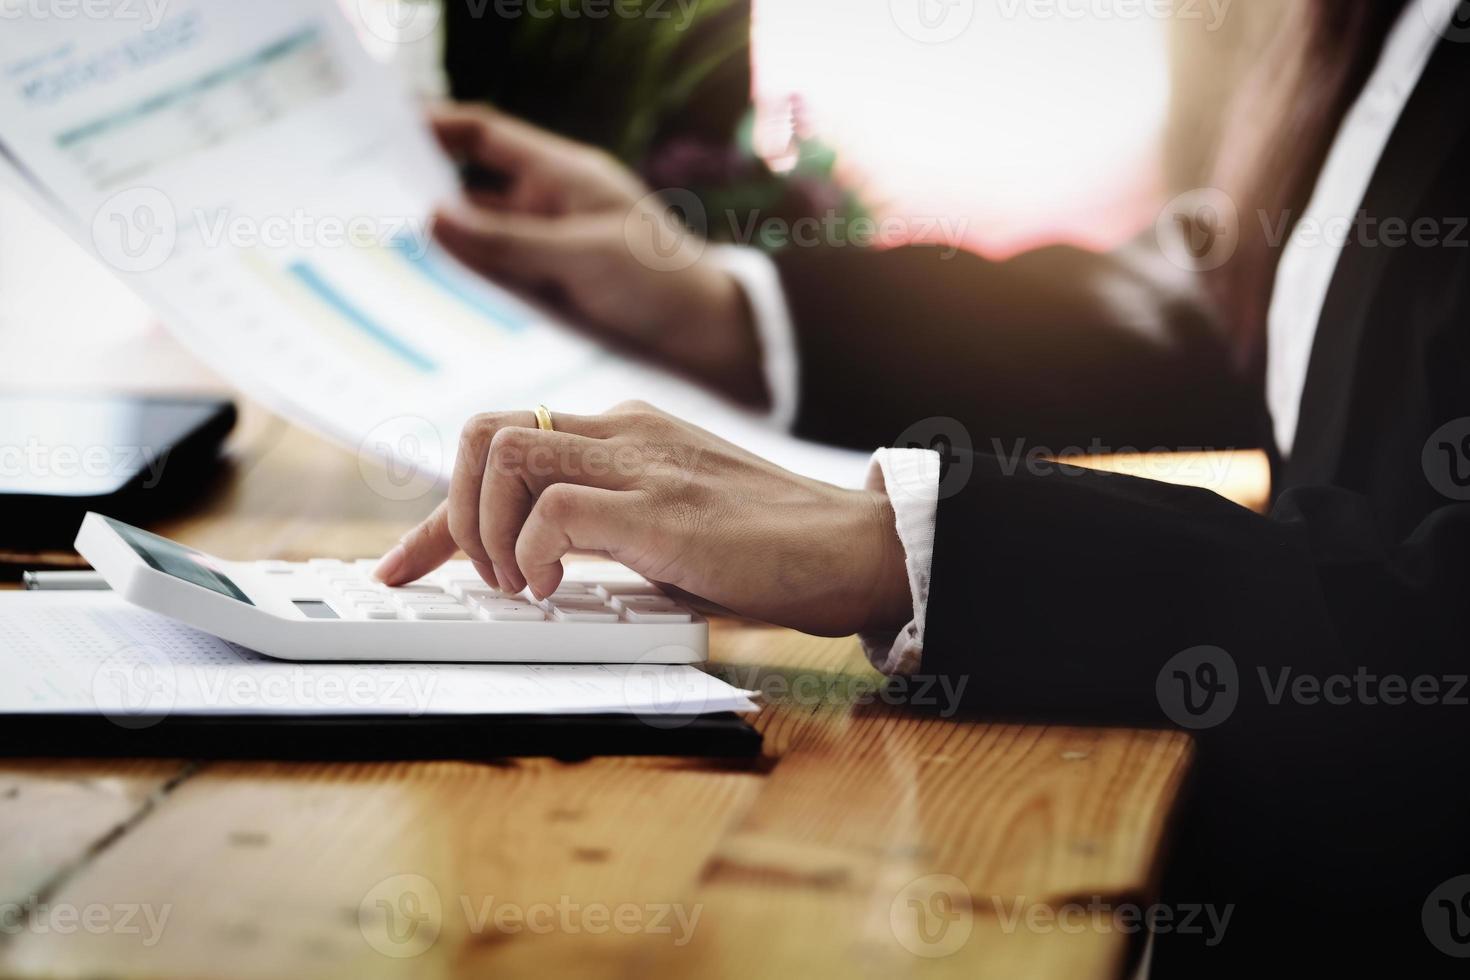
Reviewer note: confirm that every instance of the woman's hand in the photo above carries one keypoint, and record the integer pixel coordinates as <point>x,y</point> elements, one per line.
<point>576,228</point>
<point>544,174</point>
<point>674,503</point>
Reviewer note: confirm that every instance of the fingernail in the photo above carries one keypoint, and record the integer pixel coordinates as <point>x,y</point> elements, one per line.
<point>391,564</point>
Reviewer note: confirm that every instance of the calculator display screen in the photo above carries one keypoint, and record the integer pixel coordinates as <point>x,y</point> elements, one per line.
<point>174,559</point>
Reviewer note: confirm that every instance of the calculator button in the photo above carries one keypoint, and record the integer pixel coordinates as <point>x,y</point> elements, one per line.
<point>574,598</point>
<point>325,562</point>
<point>419,600</point>
<point>635,615</point>
<point>649,602</point>
<point>586,615</point>
<point>570,598</point>
<point>609,589</point>
<point>500,601</point>
<point>377,612</point>
<point>418,589</point>
<point>414,595</point>
<point>583,602</point>
<point>513,612</point>
<point>574,588</point>
<point>483,593</point>
<point>438,613</point>
<point>357,595</point>
<point>495,599</point>
<point>465,588</point>
<point>350,588</point>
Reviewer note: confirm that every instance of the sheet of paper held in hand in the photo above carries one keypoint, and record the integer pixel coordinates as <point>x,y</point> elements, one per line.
<point>266,186</point>
<point>93,653</point>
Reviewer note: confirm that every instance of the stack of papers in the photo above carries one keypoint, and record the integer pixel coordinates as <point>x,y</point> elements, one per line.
<point>267,188</point>
<point>93,653</point>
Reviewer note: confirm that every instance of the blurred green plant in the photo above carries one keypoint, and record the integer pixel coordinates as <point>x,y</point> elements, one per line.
<point>621,80</point>
<point>667,91</point>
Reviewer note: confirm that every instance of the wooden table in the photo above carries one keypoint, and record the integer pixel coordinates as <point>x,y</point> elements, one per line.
<point>866,841</point>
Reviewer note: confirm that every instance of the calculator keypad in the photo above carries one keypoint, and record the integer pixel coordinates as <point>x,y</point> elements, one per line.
<point>455,594</point>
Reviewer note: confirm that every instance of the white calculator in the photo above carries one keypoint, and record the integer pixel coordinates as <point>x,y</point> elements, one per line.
<point>327,609</point>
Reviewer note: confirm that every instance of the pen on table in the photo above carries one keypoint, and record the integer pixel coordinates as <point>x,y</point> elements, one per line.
<point>57,581</point>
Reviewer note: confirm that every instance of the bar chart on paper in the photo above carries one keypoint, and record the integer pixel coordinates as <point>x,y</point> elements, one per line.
<point>378,330</point>
<point>401,304</point>
<point>293,180</point>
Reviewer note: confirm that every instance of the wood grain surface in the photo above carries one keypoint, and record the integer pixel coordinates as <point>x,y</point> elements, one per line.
<point>868,839</point>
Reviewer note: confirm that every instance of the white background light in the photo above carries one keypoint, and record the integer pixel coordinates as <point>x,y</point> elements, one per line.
<point>1032,125</point>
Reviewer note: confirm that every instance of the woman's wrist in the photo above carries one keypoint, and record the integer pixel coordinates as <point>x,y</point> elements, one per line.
<point>712,335</point>
<point>888,600</point>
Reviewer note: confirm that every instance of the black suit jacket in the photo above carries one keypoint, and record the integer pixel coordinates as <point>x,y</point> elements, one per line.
<point>1067,596</point>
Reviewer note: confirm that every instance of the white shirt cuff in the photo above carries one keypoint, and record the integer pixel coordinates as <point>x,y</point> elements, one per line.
<point>910,477</point>
<point>758,277</point>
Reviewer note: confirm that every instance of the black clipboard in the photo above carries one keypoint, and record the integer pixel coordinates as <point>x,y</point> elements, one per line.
<point>375,738</point>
